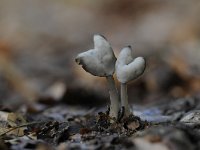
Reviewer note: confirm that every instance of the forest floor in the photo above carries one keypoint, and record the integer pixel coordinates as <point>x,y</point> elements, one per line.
<point>160,126</point>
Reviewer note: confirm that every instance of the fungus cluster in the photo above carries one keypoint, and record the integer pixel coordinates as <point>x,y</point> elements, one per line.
<point>101,61</point>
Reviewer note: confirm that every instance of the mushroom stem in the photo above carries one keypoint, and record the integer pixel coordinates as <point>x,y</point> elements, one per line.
<point>124,99</point>
<point>114,97</point>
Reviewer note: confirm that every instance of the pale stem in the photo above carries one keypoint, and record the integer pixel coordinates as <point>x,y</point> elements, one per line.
<point>114,97</point>
<point>124,99</point>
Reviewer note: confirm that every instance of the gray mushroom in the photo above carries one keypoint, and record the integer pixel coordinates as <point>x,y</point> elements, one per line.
<point>127,69</point>
<point>100,61</point>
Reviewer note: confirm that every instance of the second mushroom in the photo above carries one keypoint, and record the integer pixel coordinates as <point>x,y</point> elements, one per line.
<point>127,69</point>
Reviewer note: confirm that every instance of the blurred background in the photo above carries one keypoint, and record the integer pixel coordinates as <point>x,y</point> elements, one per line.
<point>39,41</point>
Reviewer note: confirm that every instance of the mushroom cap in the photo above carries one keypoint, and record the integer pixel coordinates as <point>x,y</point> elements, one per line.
<point>99,61</point>
<point>127,68</point>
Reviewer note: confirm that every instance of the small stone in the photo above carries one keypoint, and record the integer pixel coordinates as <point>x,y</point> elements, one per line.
<point>133,125</point>
<point>191,118</point>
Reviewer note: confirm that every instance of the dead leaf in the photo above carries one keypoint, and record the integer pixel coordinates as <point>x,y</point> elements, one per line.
<point>11,121</point>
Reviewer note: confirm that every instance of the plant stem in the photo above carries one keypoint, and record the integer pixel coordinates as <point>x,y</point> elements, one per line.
<point>114,97</point>
<point>124,99</point>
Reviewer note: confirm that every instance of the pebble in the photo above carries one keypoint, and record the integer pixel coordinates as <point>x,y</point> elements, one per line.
<point>191,118</point>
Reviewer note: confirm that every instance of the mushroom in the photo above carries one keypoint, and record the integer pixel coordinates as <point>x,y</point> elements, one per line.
<point>127,69</point>
<point>100,61</point>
